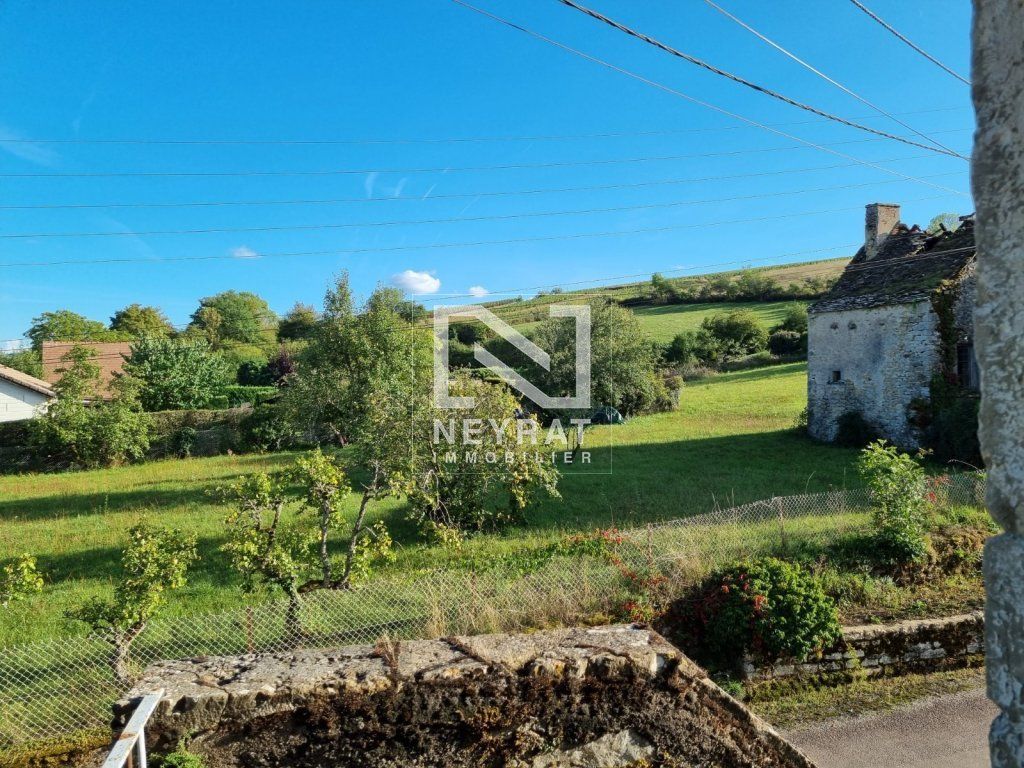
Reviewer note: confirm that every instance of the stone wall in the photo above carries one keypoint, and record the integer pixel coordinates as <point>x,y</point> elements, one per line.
<point>610,696</point>
<point>924,645</point>
<point>886,357</point>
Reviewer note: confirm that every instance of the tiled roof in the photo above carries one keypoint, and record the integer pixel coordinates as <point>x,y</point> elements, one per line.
<point>29,382</point>
<point>909,266</point>
<point>109,356</point>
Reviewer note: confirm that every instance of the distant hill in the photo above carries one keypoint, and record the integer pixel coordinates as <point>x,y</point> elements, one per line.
<point>681,303</point>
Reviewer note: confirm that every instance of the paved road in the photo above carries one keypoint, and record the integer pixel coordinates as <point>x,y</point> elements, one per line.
<point>945,732</point>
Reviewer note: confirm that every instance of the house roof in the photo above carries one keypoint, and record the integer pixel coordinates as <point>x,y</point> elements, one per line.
<point>109,356</point>
<point>909,266</point>
<point>24,380</point>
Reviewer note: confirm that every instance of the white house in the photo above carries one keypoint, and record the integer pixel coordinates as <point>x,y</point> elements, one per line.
<point>22,396</point>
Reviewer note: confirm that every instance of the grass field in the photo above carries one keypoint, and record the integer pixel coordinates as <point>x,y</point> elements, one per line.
<point>663,322</point>
<point>729,442</point>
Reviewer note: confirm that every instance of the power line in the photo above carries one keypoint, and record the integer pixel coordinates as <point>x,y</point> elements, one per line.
<point>451,220</point>
<point>454,195</point>
<point>436,169</point>
<point>902,37</point>
<point>749,84</point>
<point>693,99</point>
<point>570,284</point>
<point>433,246</point>
<point>825,77</point>
<point>445,140</point>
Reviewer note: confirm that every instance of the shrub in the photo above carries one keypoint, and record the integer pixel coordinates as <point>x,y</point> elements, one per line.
<point>768,608</point>
<point>181,757</point>
<point>239,394</point>
<point>19,579</point>
<point>897,483</point>
<point>854,431</point>
<point>787,343</point>
<point>794,320</point>
<point>176,373</point>
<point>737,333</point>
<point>266,429</point>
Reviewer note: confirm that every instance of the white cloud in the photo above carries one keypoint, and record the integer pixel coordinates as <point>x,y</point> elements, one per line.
<point>478,291</point>
<point>369,182</point>
<point>244,252</point>
<point>412,281</point>
<point>37,154</point>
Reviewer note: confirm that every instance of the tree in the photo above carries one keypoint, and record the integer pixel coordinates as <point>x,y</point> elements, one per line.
<point>19,579</point>
<point>299,323</point>
<point>176,373</point>
<point>25,360</point>
<point>794,319</point>
<point>154,562</point>
<point>325,486</point>
<point>623,364</point>
<point>662,290</point>
<point>943,221</point>
<point>488,477</point>
<point>135,320</point>
<point>74,433</point>
<point>238,316</point>
<point>65,325</point>
<point>738,333</point>
<point>262,547</point>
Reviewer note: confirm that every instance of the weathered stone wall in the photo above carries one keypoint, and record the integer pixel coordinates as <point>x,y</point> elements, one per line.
<point>611,696</point>
<point>924,645</point>
<point>886,356</point>
<point>997,176</point>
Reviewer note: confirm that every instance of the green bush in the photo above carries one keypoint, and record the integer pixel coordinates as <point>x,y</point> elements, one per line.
<point>267,429</point>
<point>787,343</point>
<point>898,485</point>
<point>768,608</point>
<point>176,373</point>
<point>181,757</point>
<point>240,394</point>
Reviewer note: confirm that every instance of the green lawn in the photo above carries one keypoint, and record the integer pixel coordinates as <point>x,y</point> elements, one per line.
<point>729,442</point>
<point>662,323</point>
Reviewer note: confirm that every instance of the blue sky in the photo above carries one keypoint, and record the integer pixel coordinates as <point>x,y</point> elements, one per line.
<point>409,76</point>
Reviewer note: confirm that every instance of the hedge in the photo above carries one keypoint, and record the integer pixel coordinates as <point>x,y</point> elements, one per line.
<point>241,394</point>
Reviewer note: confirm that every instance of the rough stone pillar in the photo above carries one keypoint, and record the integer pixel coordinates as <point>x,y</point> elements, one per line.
<point>998,181</point>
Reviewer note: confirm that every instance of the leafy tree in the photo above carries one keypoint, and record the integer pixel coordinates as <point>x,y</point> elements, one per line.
<point>25,360</point>
<point>154,562</point>
<point>135,320</point>
<point>755,286</point>
<point>176,373</point>
<point>262,548</point>
<point>897,483</point>
<point>325,486</point>
<point>18,579</point>
<point>504,475</point>
<point>662,290</point>
<point>238,316</point>
<point>75,433</point>
<point>299,323</point>
<point>787,343</point>
<point>737,333</point>
<point>65,325</point>
<point>623,360</point>
<point>794,319</point>
<point>947,221</point>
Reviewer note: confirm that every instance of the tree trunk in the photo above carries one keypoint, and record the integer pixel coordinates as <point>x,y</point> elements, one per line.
<point>354,541</point>
<point>120,657</point>
<point>292,622</point>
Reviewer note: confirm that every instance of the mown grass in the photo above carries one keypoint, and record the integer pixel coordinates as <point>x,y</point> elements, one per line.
<point>729,442</point>
<point>662,323</point>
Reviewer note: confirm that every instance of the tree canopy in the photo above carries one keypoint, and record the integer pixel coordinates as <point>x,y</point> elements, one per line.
<point>137,320</point>
<point>233,316</point>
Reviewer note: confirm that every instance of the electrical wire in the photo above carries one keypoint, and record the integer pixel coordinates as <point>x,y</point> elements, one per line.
<point>906,40</point>
<point>825,77</point>
<point>453,196</point>
<point>748,83</point>
<point>451,220</point>
<point>433,246</point>
<point>692,99</point>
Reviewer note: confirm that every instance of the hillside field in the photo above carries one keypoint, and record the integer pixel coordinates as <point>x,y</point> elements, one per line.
<point>730,441</point>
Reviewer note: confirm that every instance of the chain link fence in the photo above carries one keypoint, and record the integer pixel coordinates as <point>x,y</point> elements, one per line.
<point>62,690</point>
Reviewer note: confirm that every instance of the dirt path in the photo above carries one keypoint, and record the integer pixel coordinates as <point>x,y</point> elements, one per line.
<point>945,732</point>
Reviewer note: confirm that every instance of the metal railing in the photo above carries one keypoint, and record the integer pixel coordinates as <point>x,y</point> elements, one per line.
<point>130,747</point>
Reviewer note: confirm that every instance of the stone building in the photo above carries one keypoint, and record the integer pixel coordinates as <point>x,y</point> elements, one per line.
<point>897,323</point>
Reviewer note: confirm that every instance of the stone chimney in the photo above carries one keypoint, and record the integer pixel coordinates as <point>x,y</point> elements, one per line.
<point>880,219</point>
